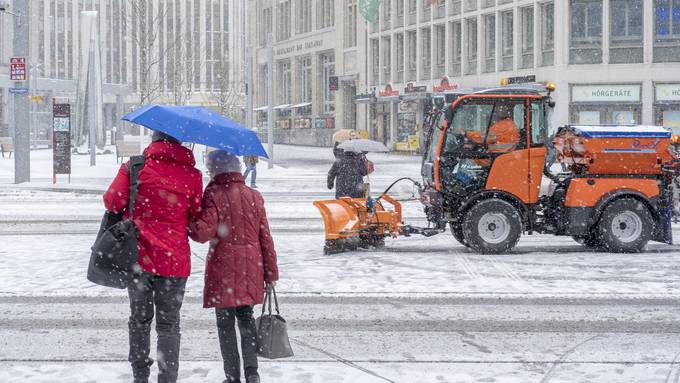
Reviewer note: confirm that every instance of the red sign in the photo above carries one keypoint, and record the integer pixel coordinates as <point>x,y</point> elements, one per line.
<point>388,91</point>
<point>444,85</point>
<point>17,69</point>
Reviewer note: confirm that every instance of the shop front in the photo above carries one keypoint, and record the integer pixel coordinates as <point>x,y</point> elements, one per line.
<point>596,104</point>
<point>381,115</point>
<point>410,112</point>
<point>667,106</point>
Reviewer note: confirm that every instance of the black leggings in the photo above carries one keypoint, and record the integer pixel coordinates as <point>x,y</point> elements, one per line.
<point>228,346</point>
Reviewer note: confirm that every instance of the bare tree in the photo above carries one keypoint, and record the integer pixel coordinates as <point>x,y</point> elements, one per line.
<point>145,24</point>
<point>228,95</point>
<point>184,69</point>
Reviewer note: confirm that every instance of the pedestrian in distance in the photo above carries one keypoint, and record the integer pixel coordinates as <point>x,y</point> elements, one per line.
<point>347,174</point>
<point>251,168</point>
<point>169,196</point>
<point>241,262</point>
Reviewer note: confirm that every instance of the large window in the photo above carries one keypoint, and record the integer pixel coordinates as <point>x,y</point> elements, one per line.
<point>304,16</point>
<point>375,61</point>
<point>399,18</point>
<point>327,62</point>
<point>399,53</point>
<point>667,31</point>
<point>472,51</point>
<point>426,53</point>
<point>507,49</point>
<point>626,25</point>
<point>351,24</point>
<point>305,79</point>
<point>489,43</point>
<point>456,46</point>
<point>285,74</point>
<point>411,55</point>
<point>386,59</point>
<point>547,34</point>
<point>386,15</point>
<point>527,58</point>
<point>283,30</point>
<point>586,32</point>
<point>440,50</point>
<point>265,27</point>
<point>325,16</point>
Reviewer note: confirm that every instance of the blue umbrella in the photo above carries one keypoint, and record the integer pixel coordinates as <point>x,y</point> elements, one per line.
<point>199,125</point>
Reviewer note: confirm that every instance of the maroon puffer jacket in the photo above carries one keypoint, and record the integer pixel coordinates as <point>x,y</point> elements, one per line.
<point>242,255</point>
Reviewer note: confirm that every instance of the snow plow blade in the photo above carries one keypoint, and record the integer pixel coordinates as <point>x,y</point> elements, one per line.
<point>351,223</point>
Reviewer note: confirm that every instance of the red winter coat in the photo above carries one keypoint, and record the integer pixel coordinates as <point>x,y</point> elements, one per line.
<point>169,195</point>
<point>242,256</point>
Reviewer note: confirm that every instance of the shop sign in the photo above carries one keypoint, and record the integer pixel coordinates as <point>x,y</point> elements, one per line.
<point>605,93</point>
<point>411,88</point>
<point>307,45</point>
<point>408,107</point>
<point>61,134</point>
<point>17,69</point>
<point>444,85</point>
<point>388,91</point>
<point>518,80</point>
<point>667,92</point>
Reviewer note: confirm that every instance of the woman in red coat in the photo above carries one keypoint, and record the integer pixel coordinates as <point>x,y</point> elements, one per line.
<point>241,261</point>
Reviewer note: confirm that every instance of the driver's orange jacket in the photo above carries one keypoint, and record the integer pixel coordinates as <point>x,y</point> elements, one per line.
<point>503,137</point>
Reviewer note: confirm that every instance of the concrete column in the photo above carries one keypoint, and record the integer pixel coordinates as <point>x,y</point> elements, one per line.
<point>517,26</point>
<point>22,129</point>
<point>480,43</point>
<point>537,34</point>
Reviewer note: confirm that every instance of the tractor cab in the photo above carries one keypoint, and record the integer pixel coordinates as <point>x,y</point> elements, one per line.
<point>487,140</point>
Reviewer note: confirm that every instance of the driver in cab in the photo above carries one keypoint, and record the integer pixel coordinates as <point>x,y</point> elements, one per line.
<point>503,135</point>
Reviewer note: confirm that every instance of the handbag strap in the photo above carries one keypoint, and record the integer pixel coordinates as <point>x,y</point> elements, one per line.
<point>135,165</point>
<point>276,302</point>
<point>268,302</point>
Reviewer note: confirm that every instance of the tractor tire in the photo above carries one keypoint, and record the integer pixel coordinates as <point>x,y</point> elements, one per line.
<point>457,231</point>
<point>591,241</point>
<point>492,226</point>
<point>625,226</point>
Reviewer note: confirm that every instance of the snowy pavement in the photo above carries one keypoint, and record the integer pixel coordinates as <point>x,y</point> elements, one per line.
<point>420,310</point>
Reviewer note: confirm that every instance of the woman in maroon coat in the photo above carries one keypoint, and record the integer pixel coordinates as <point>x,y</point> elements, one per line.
<point>241,261</point>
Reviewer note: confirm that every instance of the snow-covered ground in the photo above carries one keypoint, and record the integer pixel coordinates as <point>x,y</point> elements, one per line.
<point>420,310</point>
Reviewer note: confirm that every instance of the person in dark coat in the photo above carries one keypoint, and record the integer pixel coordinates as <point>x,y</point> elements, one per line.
<point>241,262</point>
<point>169,195</point>
<point>347,175</point>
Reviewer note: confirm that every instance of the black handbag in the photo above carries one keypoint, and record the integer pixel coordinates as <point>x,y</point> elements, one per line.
<point>113,262</point>
<point>272,331</point>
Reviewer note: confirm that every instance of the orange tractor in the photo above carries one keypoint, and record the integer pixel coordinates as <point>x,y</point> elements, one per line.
<point>491,172</point>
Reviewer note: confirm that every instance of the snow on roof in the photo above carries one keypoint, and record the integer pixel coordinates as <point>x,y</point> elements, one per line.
<point>621,131</point>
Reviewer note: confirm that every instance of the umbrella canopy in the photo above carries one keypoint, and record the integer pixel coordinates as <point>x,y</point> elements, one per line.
<point>199,125</point>
<point>363,145</point>
<point>343,135</point>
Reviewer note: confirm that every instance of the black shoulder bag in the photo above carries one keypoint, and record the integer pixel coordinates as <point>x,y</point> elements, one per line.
<point>113,262</point>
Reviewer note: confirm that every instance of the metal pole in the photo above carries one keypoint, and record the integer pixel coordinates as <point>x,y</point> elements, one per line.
<point>22,121</point>
<point>91,102</point>
<point>270,100</point>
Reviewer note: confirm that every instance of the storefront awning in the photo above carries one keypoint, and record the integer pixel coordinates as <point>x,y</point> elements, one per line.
<point>365,100</point>
<point>415,96</point>
<point>389,99</point>
<point>282,106</point>
<point>301,105</point>
<point>260,109</point>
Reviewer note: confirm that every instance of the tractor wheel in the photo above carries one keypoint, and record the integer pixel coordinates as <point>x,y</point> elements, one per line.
<point>591,241</point>
<point>625,226</point>
<point>457,231</point>
<point>492,226</point>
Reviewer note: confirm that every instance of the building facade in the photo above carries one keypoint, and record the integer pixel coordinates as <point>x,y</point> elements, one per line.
<point>614,61</point>
<point>160,51</point>
<point>318,65</point>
